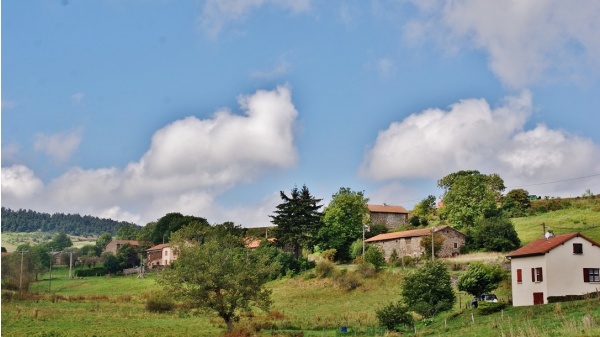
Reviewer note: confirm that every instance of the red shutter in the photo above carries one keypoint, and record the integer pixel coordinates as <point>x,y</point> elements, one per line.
<point>586,274</point>
<point>541,275</point>
<point>532,274</point>
<point>519,275</point>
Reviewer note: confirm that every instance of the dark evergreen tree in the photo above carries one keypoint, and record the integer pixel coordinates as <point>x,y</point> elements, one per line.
<point>298,220</point>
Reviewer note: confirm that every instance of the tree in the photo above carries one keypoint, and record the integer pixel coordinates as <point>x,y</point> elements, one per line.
<point>438,242</point>
<point>60,242</point>
<point>516,203</point>
<point>469,196</point>
<point>375,256</point>
<point>110,263</point>
<point>18,270</point>
<point>128,256</point>
<point>428,290</point>
<point>127,232</point>
<point>426,207</point>
<point>219,275</point>
<point>343,221</point>
<point>480,279</point>
<point>171,223</point>
<point>394,315</point>
<point>496,234</point>
<point>298,219</point>
<point>103,240</point>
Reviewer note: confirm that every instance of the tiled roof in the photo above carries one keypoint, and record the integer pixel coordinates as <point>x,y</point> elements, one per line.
<point>404,234</point>
<point>543,245</point>
<point>158,247</point>
<point>387,209</point>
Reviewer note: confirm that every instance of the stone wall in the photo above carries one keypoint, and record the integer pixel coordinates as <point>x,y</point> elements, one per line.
<point>390,220</point>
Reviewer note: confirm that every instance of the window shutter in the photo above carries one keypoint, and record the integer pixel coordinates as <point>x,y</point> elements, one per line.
<point>519,275</point>
<point>541,275</point>
<point>586,274</point>
<point>532,274</point>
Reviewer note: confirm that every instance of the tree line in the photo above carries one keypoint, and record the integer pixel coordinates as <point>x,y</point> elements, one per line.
<point>24,220</point>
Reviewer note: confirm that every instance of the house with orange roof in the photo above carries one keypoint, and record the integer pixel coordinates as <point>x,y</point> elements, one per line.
<point>114,245</point>
<point>408,243</point>
<point>160,256</point>
<point>388,215</point>
<point>567,264</point>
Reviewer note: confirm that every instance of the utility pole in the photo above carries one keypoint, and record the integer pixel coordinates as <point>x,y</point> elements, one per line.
<point>70,265</point>
<point>365,227</point>
<point>543,229</point>
<point>432,246</point>
<point>50,279</point>
<point>21,276</point>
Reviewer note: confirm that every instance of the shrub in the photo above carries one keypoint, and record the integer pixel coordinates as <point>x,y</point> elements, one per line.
<point>394,315</point>
<point>347,281</point>
<point>428,290</point>
<point>94,271</point>
<point>366,270</point>
<point>324,268</point>
<point>159,304</point>
<point>329,254</point>
<point>374,255</point>
<point>487,308</point>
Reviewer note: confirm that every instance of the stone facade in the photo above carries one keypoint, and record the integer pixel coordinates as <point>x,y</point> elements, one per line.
<point>390,216</point>
<point>114,245</point>
<point>408,243</point>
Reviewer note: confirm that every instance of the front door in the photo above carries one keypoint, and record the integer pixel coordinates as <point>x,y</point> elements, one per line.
<point>538,298</point>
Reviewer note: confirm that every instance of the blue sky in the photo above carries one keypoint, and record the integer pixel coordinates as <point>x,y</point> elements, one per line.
<point>132,109</point>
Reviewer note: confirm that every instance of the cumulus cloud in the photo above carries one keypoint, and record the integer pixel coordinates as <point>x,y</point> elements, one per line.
<point>473,135</point>
<point>189,163</point>
<point>216,14</point>
<point>526,41</point>
<point>59,146</point>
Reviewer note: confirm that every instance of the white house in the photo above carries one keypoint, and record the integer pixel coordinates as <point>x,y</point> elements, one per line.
<point>566,264</point>
<point>160,256</point>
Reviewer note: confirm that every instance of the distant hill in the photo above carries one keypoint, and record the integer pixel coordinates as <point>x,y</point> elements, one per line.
<point>74,224</point>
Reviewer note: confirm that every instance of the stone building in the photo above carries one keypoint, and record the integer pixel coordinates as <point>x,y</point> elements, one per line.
<point>388,215</point>
<point>408,243</point>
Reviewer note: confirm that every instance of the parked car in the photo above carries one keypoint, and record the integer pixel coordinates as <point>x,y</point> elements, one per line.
<point>489,298</point>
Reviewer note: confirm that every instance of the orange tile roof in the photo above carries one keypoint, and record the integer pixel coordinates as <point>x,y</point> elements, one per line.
<point>543,245</point>
<point>404,234</point>
<point>158,247</point>
<point>387,209</point>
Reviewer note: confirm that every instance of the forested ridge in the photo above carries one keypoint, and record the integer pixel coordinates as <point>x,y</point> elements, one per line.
<point>74,224</point>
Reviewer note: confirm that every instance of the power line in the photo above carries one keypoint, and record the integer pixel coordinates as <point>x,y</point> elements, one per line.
<point>554,182</point>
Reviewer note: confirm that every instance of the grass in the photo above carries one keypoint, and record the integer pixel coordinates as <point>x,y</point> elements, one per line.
<point>11,240</point>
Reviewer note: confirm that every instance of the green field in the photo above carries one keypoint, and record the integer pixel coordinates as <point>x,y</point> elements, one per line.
<point>11,240</point>
<point>108,306</point>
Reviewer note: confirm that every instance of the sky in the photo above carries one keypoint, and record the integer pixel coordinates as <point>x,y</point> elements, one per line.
<point>133,109</point>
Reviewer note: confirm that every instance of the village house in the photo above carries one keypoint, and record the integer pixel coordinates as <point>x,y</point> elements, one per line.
<point>160,256</point>
<point>561,265</point>
<point>114,245</point>
<point>408,243</point>
<point>388,215</point>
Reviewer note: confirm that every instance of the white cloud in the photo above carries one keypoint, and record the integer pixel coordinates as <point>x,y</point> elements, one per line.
<point>386,67</point>
<point>189,163</point>
<point>77,98</point>
<point>526,41</point>
<point>472,135</point>
<point>59,146</point>
<point>216,14</point>
<point>19,182</point>
<point>280,69</point>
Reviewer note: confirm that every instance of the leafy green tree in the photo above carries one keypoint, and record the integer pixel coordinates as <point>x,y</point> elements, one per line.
<point>394,315</point>
<point>470,196</point>
<point>298,219</point>
<point>343,221</point>
<point>229,228</point>
<point>375,229</point>
<point>428,290</point>
<point>375,256</point>
<point>516,203</point>
<point>438,242</point>
<point>495,234</point>
<point>219,275</point>
<point>103,240</point>
<point>111,263</point>
<point>60,242</point>
<point>480,278</point>
<point>127,232</point>
<point>194,232</point>
<point>171,223</point>
<point>90,250</point>
<point>13,276</point>
<point>128,256</point>
<point>426,207</point>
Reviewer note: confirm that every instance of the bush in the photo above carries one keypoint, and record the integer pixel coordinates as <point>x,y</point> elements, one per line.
<point>329,254</point>
<point>347,281</point>
<point>159,304</point>
<point>428,290</point>
<point>394,315</point>
<point>95,271</point>
<point>487,308</point>
<point>324,268</point>
<point>374,255</point>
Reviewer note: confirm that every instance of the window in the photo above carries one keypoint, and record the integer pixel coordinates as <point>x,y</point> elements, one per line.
<point>519,276</point>
<point>456,245</point>
<point>536,275</point>
<point>591,274</point>
<point>578,248</point>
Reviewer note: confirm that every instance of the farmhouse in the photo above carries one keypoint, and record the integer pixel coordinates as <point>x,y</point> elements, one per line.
<point>388,215</point>
<point>409,242</point>
<point>114,245</point>
<point>566,264</point>
<point>160,256</point>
